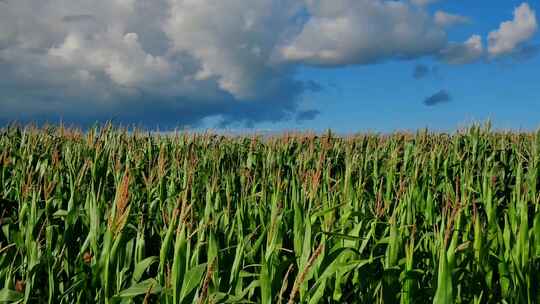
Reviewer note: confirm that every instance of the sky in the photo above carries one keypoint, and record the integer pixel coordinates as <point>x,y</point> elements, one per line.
<point>271,65</point>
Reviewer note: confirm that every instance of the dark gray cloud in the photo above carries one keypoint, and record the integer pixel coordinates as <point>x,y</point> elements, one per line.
<point>526,52</point>
<point>440,97</point>
<point>421,71</point>
<point>307,115</point>
<point>145,108</point>
<point>78,18</point>
<point>313,86</point>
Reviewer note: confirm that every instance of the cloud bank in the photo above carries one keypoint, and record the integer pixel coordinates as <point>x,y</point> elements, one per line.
<point>177,62</point>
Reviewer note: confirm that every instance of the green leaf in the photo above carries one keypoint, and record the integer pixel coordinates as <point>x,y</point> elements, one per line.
<point>318,294</point>
<point>144,287</point>
<point>10,296</point>
<point>444,292</point>
<point>192,279</point>
<point>60,213</point>
<point>141,267</point>
<point>266,283</point>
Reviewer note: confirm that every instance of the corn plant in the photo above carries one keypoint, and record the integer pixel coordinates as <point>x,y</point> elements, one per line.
<point>111,215</point>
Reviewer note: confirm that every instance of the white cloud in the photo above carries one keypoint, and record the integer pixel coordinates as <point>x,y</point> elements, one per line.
<point>344,32</point>
<point>445,19</point>
<point>119,56</point>
<point>512,34</point>
<point>463,53</point>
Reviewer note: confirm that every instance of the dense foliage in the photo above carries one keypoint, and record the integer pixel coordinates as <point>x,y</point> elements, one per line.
<point>109,216</point>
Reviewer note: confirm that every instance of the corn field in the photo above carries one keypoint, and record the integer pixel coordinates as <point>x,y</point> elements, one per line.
<point>111,216</point>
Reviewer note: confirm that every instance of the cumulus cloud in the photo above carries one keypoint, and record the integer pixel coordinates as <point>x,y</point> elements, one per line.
<point>346,32</point>
<point>120,56</point>
<point>440,97</point>
<point>462,53</point>
<point>232,40</point>
<point>512,34</point>
<point>165,61</point>
<point>445,19</point>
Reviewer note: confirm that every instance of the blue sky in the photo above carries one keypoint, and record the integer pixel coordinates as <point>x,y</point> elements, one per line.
<point>272,65</point>
<point>385,97</point>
